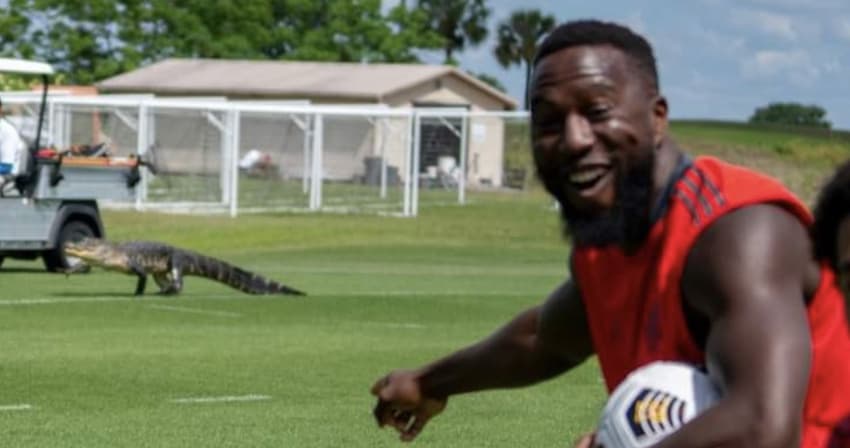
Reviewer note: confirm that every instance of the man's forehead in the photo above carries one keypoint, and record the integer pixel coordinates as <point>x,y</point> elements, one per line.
<point>581,61</point>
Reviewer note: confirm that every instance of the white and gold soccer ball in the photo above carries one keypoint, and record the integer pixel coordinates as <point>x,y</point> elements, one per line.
<point>653,402</point>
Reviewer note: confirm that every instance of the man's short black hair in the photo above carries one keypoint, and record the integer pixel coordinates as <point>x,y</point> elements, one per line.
<point>831,208</point>
<point>595,32</point>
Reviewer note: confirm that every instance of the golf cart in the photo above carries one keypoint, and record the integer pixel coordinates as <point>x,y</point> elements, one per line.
<point>51,197</point>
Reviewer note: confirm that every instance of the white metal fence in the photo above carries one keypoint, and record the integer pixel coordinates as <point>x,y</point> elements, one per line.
<point>363,158</point>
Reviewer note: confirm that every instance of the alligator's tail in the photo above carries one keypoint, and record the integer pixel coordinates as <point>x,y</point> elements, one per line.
<point>234,276</point>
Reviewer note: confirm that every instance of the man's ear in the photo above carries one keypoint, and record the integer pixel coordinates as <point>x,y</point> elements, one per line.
<point>659,120</point>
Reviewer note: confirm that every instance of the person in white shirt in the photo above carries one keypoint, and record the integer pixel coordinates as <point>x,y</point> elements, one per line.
<point>11,147</point>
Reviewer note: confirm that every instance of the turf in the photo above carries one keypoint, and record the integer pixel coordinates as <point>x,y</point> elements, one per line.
<point>100,368</point>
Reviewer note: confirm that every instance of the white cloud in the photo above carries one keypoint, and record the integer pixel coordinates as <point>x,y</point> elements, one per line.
<point>805,5</point>
<point>724,43</point>
<point>796,65</point>
<point>770,23</point>
<point>842,28</point>
<point>832,66</point>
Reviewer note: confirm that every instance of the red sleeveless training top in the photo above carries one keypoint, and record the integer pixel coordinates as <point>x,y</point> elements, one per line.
<point>634,303</point>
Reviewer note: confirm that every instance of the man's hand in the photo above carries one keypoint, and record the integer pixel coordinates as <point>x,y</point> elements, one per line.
<point>402,405</point>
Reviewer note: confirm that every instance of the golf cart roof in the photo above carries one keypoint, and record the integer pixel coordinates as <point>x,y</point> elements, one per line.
<point>25,67</point>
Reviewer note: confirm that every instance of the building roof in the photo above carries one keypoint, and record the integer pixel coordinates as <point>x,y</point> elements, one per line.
<point>357,82</point>
<point>25,67</point>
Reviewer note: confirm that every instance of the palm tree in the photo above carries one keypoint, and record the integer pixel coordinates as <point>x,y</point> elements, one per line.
<point>460,22</point>
<point>518,39</point>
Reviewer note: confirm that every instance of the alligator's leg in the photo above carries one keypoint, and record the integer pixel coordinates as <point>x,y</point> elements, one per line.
<point>143,278</point>
<point>140,285</point>
<point>166,285</point>
<point>176,279</point>
<point>175,274</point>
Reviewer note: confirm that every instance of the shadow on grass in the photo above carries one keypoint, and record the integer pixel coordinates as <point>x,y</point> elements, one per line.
<point>16,270</point>
<point>84,294</point>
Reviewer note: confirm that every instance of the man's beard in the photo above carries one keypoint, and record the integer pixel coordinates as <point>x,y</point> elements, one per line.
<point>626,224</point>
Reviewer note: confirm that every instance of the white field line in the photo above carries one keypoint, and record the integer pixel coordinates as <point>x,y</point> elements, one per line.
<point>396,325</point>
<point>436,293</point>
<point>224,399</point>
<point>402,270</point>
<point>95,299</point>
<point>92,299</point>
<point>181,309</point>
<point>16,407</point>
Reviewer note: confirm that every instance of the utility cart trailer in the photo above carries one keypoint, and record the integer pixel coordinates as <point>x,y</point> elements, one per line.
<point>53,197</point>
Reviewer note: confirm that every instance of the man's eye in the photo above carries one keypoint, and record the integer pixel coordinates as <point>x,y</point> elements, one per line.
<point>549,125</point>
<point>598,113</point>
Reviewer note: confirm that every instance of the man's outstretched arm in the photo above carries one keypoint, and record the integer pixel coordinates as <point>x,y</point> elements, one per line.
<point>538,344</point>
<point>746,275</point>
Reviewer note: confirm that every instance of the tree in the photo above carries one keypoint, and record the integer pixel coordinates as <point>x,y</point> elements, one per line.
<point>14,25</point>
<point>459,22</point>
<point>95,39</point>
<point>795,114</point>
<point>518,37</point>
<point>411,31</point>
<point>356,31</point>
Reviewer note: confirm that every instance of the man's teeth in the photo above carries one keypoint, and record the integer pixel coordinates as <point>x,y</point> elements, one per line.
<point>586,175</point>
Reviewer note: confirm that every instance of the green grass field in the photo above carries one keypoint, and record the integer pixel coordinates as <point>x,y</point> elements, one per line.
<point>84,364</point>
<point>100,369</point>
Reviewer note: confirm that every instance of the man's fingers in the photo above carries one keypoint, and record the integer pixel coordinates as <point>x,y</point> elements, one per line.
<point>400,419</point>
<point>414,427</point>
<point>382,412</point>
<point>383,408</point>
<point>387,414</point>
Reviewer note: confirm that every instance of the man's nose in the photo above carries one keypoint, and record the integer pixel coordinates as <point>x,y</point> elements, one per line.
<point>578,134</point>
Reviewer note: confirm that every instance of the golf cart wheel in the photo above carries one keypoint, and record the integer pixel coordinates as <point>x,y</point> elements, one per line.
<point>56,260</point>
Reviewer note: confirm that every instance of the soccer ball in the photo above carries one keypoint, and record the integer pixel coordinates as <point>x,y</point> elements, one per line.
<point>653,402</point>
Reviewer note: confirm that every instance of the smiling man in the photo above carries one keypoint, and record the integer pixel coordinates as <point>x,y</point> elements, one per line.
<point>673,259</point>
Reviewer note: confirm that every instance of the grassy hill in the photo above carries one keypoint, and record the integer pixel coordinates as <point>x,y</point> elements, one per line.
<point>803,158</point>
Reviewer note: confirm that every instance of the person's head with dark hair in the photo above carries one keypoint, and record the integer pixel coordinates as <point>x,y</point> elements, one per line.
<point>599,130</point>
<point>595,32</point>
<point>831,230</point>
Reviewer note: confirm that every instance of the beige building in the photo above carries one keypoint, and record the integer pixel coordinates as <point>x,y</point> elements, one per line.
<point>348,142</point>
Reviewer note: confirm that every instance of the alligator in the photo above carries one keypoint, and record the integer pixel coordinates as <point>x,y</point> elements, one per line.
<point>167,264</point>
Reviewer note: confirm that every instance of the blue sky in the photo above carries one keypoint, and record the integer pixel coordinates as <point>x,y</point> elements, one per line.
<point>717,58</point>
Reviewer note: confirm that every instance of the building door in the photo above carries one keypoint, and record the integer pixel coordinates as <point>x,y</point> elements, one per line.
<point>439,139</point>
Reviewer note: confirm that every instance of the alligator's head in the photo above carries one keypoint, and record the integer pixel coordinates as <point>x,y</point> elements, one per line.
<point>91,250</point>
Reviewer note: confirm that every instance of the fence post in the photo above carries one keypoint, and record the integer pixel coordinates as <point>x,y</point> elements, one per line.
<point>66,126</point>
<point>417,143</point>
<point>316,175</point>
<point>380,130</point>
<point>308,164</point>
<point>406,173</point>
<point>225,152</point>
<point>142,150</point>
<point>51,120</point>
<point>234,125</point>
<point>464,142</point>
